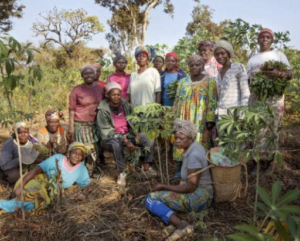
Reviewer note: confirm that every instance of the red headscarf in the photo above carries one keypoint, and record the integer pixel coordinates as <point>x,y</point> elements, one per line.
<point>173,54</point>
<point>266,30</point>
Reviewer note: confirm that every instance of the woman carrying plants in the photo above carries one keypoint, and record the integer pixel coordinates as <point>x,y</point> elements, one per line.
<point>211,66</point>
<point>194,192</point>
<point>120,76</point>
<point>53,135</point>
<point>255,66</point>
<point>58,168</point>
<point>172,73</point>
<point>83,102</point>
<point>9,158</point>
<point>117,133</point>
<point>145,86</point>
<point>233,89</point>
<point>196,101</point>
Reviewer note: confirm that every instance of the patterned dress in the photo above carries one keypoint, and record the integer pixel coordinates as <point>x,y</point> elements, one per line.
<point>196,102</point>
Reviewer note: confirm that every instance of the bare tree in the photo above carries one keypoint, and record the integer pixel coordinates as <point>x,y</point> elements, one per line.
<point>67,28</point>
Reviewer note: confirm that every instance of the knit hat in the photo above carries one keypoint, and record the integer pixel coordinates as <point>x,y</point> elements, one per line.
<point>225,45</point>
<point>266,30</point>
<point>112,85</point>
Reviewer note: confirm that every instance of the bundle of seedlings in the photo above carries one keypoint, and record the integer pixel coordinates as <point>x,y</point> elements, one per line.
<point>171,90</point>
<point>44,152</point>
<point>265,87</point>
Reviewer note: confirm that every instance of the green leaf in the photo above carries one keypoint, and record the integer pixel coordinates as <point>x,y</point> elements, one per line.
<point>264,195</point>
<point>282,231</point>
<point>242,237</point>
<point>276,189</point>
<point>247,228</point>
<point>290,209</point>
<point>289,197</point>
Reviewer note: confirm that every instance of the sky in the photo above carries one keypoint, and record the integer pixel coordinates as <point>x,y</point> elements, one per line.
<point>277,15</point>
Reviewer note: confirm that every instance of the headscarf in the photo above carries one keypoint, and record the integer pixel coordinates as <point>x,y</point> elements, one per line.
<point>97,65</point>
<point>173,54</point>
<point>195,57</point>
<point>18,125</point>
<point>88,66</point>
<point>207,43</point>
<point>148,49</point>
<point>112,85</point>
<point>53,114</point>
<point>186,127</point>
<point>78,145</point>
<point>266,30</point>
<point>115,60</point>
<point>225,45</point>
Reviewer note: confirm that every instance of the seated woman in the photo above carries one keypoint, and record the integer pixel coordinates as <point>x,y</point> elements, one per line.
<point>53,135</point>
<point>9,158</point>
<point>195,191</point>
<point>34,183</point>
<point>116,132</point>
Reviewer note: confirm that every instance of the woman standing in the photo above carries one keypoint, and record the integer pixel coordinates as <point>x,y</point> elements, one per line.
<point>171,74</point>
<point>117,133</point>
<point>195,191</point>
<point>145,86</point>
<point>9,158</point>
<point>265,40</point>
<point>211,67</point>
<point>84,100</point>
<point>233,89</point>
<point>120,76</point>
<point>98,69</point>
<point>158,63</point>
<point>53,135</point>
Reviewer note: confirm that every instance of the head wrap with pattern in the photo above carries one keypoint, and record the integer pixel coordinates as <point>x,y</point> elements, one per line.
<point>186,127</point>
<point>53,114</point>
<point>207,43</point>
<point>148,49</point>
<point>78,145</point>
<point>196,58</point>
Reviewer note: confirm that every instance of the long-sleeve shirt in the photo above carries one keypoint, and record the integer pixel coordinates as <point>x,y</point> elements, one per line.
<point>233,89</point>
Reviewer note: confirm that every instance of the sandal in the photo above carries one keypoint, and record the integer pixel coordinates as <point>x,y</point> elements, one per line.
<point>180,233</point>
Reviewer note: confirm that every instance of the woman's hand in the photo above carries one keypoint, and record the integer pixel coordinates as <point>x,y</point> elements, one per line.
<point>272,74</point>
<point>210,125</point>
<point>17,192</point>
<point>158,187</point>
<point>71,134</point>
<point>80,197</point>
<point>53,138</point>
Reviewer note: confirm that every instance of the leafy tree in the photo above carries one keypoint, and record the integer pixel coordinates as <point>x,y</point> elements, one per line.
<point>67,28</point>
<point>8,9</point>
<point>16,65</point>
<point>243,36</point>
<point>129,21</point>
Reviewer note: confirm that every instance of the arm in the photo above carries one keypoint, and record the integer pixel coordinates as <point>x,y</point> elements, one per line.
<point>158,97</point>
<point>212,104</point>
<point>243,86</point>
<point>29,176</point>
<point>189,187</point>
<point>71,124</point>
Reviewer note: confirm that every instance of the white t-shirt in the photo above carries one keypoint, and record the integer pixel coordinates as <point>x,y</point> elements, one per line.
<point>143,86</point>
<point>256,61</point>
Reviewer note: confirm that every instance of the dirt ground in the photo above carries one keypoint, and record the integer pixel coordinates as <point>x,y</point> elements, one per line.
<point>115,213</point>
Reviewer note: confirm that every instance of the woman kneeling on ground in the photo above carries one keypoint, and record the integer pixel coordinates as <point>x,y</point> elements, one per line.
<point>53,135</point>
<point>9,158</point>
<point>116,132</point>
<point>195,191</point>
<point>70,169</point>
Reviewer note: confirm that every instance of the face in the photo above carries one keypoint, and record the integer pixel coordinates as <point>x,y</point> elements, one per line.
<point>76,156</point>
<point>221,55</point>
<point>98,73</point>
<point>158,63</point>
<point>182,141</point>
<point>114,96</point>
<point>196,68</point>
<point>53,125</point>
<point>265,41</point>
<point>88,76</point>
<point>23,134</point>
<point>142,59</point>
<point>120,65</point>
<point>205,53</point>
<point>170,63</point>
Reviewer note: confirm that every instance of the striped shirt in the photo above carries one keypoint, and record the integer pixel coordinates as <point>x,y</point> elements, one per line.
<point>233,89</point>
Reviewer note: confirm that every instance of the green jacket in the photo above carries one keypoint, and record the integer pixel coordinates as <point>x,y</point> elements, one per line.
<point>105,122</point>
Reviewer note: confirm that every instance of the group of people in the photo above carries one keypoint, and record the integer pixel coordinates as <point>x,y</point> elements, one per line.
<point>97,117</point>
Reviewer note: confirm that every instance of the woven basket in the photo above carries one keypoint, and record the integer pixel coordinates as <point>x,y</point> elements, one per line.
<point>227,181</point>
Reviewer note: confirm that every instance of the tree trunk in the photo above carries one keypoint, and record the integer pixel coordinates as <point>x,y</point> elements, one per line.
<point>145,20</point>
